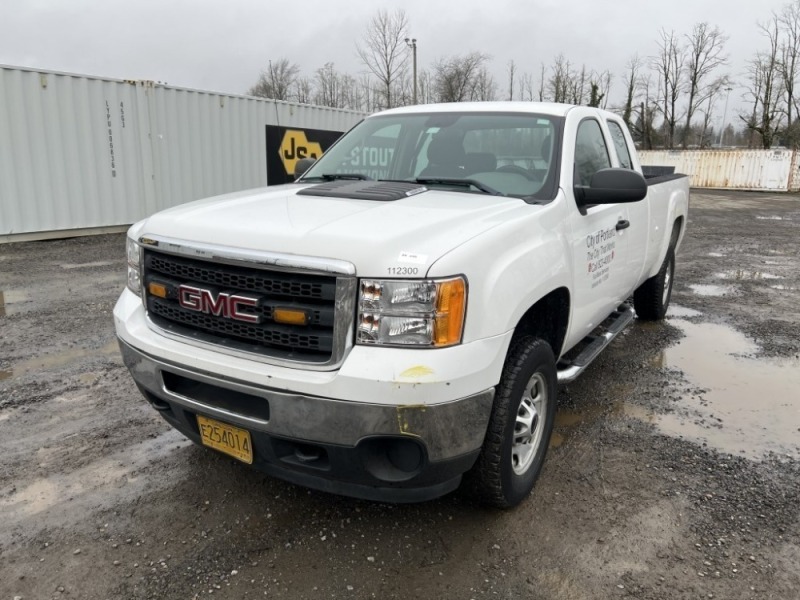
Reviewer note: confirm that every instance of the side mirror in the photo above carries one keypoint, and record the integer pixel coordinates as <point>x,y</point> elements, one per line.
<point>612,186</point>
<point>303,165</point>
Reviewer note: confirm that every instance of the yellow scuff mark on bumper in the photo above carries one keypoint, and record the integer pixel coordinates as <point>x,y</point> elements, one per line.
<point>417,372</point>
<point>403,413</point>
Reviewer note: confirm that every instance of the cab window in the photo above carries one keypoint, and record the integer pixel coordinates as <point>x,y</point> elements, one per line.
<point>620,145</point>
<point>591,153</point>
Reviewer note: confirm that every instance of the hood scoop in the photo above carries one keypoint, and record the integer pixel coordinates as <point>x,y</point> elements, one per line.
<point>365,190</point>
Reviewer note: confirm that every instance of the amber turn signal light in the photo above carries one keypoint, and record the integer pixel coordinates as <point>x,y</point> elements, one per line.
<point>157,289</point>
<point>290,316</point>
<point>450,305</point>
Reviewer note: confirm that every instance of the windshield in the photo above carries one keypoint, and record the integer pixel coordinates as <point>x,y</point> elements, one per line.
<point>510,154</point>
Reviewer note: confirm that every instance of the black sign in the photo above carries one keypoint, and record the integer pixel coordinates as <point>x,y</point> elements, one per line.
<point>287,145</point>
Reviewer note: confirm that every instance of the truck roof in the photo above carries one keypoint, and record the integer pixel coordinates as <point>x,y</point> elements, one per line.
<point>546,108</point>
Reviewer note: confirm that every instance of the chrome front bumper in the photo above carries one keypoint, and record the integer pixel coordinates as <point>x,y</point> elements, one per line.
<point>447,430</point>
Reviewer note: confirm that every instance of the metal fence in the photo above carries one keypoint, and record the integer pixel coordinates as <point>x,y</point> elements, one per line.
<point>84,153</point>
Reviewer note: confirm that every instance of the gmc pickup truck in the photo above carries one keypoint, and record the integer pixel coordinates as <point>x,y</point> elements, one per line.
<point>398,319</point>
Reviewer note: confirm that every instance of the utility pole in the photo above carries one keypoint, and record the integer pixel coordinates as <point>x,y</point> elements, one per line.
<point>412,43</point>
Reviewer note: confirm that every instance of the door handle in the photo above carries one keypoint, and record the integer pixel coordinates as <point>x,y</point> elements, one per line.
<point>623,224</point>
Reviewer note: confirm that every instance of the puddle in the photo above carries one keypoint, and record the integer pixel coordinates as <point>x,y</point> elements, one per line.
<point>51,361</point>
<point>740,275</point>
<point>786,288</point>
<point>568,419</point>
<point>90,485</point>
<point>10,297</point>
<point>772,218</point>
<point>682,312</point>
<point>716,254</point>
<point>748,406</point>
<point>711,290</point>
<point>88,378</point>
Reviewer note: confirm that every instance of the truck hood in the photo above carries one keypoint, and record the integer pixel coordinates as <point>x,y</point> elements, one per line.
<point>376,236</point>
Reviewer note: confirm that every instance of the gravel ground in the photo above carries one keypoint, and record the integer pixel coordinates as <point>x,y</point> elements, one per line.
<point>673,472</point>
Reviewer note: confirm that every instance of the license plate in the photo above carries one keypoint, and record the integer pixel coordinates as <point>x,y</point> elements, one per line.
<point>226,438</point>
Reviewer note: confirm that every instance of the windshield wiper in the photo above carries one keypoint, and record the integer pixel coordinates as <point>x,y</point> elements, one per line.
<point>335,176</point>
<point>461,182</point>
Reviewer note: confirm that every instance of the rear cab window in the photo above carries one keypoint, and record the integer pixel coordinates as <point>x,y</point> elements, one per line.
<point>620,145</point>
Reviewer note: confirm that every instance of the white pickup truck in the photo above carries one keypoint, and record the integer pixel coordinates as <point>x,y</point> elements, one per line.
<point>399,318</point>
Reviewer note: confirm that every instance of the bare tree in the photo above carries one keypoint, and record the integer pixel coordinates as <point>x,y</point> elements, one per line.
<point>329,87</point>
<point>713,91</point>
<point>705,127</point>
<point>456,77</point>
<point>669,66</point>
<point>599,88</point>
<point>384,51</point>
<point>643,129</point>
<point>704,56</point>
<point>277,81</point>
<point>577,85</point>
<point>559,85</point>
<point>368,95</point>
<point>766,89</point>
<point>525,86</point>
<point>303,90</point>
<point>512,69</point>
<point>570,86</point>
<point>485,88</point>
<point>631,84</point>
<point>789,23</point>
<point>541,84</point>
<point>426,91</point>
<point>352,94</point>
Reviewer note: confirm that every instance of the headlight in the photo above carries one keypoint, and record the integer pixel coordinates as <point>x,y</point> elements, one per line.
<point>133,252</point>
<point>427,313</point>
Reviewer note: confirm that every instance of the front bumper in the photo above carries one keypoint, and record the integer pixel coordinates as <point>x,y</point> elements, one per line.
<point>377,451</point>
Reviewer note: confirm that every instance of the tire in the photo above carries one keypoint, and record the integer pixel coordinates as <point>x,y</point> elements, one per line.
<point>651,299</point>
<point>507,467</point>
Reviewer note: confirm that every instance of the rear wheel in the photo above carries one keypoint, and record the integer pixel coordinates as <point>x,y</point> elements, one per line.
<point>651,299</point>
<point>520,426</point>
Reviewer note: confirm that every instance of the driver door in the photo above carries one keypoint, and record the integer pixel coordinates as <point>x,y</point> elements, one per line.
<point>599,244</point>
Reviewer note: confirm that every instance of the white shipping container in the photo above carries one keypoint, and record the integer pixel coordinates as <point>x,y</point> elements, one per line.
<point>758,170</point>
<point>80,154</point>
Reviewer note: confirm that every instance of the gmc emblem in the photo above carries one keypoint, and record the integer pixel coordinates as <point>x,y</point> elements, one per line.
<point>223,305</point>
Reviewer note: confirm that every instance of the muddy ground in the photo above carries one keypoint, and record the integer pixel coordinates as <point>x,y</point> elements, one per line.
<point>673,472</point>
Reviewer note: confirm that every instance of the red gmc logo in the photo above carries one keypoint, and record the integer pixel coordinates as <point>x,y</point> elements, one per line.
<point>223,305</point>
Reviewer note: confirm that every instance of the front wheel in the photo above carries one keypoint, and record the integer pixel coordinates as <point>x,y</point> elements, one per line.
<point>520,426</point>
<point>651,299</point>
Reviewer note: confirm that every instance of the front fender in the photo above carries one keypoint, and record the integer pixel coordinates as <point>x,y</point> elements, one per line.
<point>510,267</point>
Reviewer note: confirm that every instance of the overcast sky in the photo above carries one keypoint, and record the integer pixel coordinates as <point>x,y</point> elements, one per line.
<point>223,45</point>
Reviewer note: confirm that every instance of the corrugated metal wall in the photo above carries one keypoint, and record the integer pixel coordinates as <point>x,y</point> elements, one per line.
<point>82,152</point>
<point>763,170</point>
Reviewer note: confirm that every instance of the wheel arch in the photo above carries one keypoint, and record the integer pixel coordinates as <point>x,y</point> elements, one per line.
<point>678,228</point>
<point>548,319</point>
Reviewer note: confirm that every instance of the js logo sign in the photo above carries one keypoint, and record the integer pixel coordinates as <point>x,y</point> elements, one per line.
<point>286,146</point>
<point>295,146</point>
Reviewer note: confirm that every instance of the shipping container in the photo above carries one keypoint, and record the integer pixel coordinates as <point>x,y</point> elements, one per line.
<point>81,154</point>
<point>757,170</point>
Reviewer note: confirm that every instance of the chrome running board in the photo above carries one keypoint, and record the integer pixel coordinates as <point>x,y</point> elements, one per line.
<point>569,370</point>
